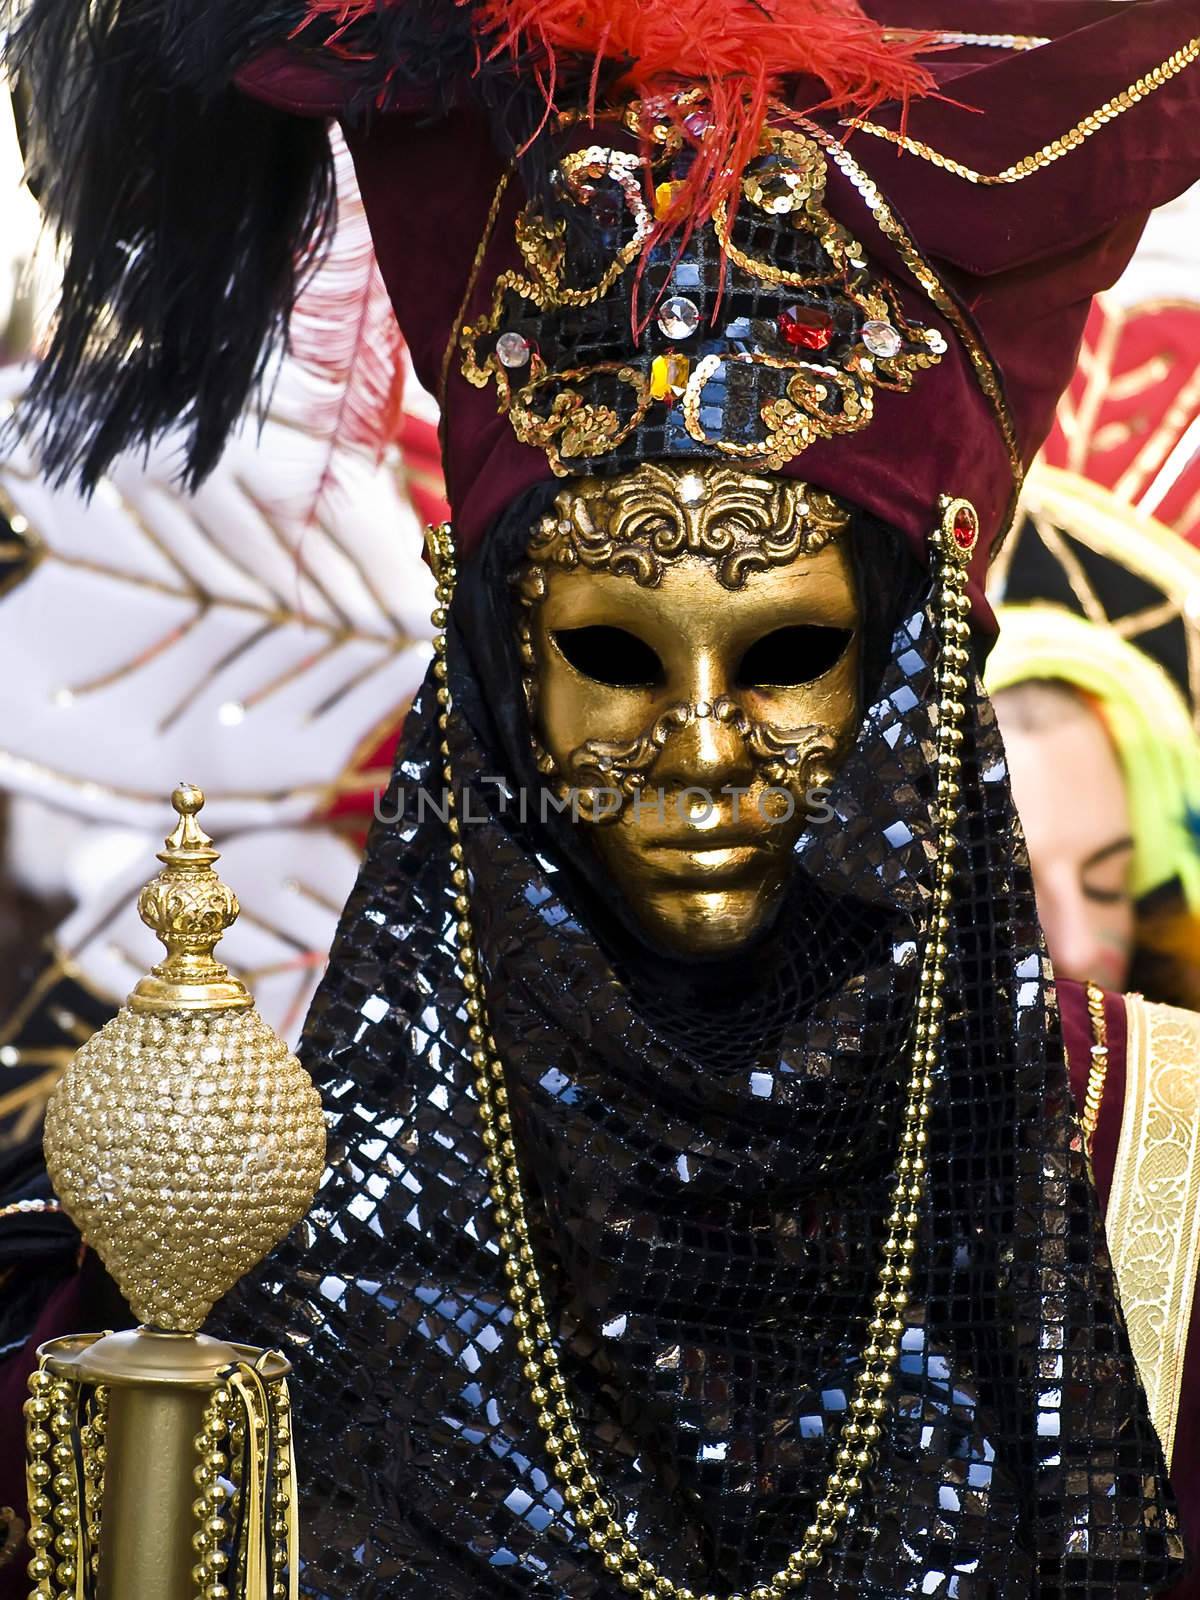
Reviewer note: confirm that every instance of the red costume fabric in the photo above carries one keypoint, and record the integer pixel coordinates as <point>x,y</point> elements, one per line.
<point>1022,258</point>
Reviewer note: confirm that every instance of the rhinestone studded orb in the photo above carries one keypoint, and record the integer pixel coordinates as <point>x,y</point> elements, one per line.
<point>183,1146</point>
<point>857,1443</point>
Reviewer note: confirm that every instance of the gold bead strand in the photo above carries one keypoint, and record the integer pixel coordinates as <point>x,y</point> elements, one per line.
<point>212,1526</point>
<point>869,1403</point>
<point>861,1432</point>
<point>283,1555</point>
<point>40,1480</point>
<point>68,1512</point>
<point>535,1343</point>
<point>94,1443</point>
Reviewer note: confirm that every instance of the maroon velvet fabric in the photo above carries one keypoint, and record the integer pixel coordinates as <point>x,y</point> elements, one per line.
<point>62,1314</point>
<point>1077,1036</point>
<point>1185,1467</point>
<point>1024,259</point>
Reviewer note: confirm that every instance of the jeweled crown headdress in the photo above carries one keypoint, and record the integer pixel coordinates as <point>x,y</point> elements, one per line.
<point>751,337</point>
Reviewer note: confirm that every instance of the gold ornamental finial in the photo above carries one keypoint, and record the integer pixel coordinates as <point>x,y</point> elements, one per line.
<point>189,909</point>
<point>185,1139</point>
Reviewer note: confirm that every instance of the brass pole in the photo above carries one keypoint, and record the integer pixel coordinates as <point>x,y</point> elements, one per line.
<point>147,1522</point>
<point>158,1386</point>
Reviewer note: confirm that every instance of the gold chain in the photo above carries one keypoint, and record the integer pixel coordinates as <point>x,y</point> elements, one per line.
<point>1098,1071</point>
<point>245,1442</point>
<point>94,1448</point>
<point>591,1507</point>
<point>283,1523</point>
<point>40,1476</point>
<point>1057,148</point>
<point>57,1521</point>
<point>212,1526</point>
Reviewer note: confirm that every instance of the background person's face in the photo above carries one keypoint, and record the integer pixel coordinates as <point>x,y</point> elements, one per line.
<point>698,688</point>
<point>1070,794</point>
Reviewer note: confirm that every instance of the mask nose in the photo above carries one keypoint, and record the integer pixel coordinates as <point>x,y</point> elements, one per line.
<point>708,753</point>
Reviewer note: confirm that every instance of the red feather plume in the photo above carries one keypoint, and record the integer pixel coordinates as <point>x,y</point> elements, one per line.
<point>737,52</point>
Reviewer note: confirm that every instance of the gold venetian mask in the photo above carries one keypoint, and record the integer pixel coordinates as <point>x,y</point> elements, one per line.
<point>691,654</point>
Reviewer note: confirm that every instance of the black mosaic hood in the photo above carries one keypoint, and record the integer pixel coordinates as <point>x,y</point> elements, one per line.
<point>706,1168</point>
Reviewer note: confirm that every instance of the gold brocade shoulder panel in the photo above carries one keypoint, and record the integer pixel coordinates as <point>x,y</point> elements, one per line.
<point>1153,1218</point>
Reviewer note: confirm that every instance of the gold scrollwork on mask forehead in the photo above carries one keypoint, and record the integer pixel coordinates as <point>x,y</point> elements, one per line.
<point>635,526</point>
<point>738,522</point>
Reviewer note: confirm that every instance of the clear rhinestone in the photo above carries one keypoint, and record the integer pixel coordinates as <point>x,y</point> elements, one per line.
<point>679,317</point>
<point>513,350</point>
<point>881,339</point>
<point>691,488</point>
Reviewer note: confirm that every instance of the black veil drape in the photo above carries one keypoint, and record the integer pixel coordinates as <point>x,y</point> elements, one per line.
<point>706,1153</point>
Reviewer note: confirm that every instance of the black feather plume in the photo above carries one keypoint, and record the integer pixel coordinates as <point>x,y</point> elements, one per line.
<point>186,213</point>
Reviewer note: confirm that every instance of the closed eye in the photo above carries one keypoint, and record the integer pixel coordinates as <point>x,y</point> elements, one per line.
<point>790,656</point>
<point>610,655</point>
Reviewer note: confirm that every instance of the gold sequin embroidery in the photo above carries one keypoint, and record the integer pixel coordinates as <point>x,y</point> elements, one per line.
<point>1098,1069</point>
<point>554,410</point>
<point>1057,148</point>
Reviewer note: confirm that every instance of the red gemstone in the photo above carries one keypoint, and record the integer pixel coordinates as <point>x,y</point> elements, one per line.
<point>964,528</point>
<point>805,327</point>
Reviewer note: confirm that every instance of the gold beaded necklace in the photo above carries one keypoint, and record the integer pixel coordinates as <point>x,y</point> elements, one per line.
<point>591,1508</point>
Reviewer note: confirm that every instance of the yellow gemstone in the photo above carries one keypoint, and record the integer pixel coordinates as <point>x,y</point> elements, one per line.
<point>669,375</point>
<point>664,198</point>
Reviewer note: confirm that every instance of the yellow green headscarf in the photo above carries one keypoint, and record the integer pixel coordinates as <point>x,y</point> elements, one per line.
<point>1145,715</point>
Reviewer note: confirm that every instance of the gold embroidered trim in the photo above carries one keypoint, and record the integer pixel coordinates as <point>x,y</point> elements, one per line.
<point>985,373</point>
<point>562,413</point>
<point>489,227</point>
<point>1098,1071</point>
<point>990,41</point>
<point>1057,148</point>
<point>1153,1220</point>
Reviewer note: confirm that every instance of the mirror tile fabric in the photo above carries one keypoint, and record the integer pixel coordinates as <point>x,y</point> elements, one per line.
<point>706,1160</point>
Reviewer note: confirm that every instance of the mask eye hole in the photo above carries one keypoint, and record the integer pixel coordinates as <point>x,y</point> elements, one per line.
<point>792,656</point>
<point>610,655</point>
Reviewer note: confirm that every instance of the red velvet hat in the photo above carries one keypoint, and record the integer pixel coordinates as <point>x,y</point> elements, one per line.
<point>783,234</point>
